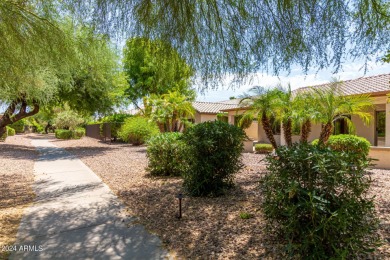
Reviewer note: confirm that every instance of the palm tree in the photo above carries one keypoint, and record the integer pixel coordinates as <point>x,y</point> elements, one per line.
<point>304,113</point>
<point>284,111</point>
<point>332,105</point>
<point>262,105</point>
<point>171,110</point>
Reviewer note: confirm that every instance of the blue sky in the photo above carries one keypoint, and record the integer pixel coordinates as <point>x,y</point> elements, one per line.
<point>296,78</point>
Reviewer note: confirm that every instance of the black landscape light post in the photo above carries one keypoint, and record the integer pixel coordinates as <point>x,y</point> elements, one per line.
<point>180,197</point>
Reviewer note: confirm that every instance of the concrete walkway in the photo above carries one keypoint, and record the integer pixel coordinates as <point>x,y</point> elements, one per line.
<point>76,216</point>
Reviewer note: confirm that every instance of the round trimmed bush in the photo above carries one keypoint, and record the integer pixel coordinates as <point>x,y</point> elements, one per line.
<point>316,202</point>
<point>214,157</point>
<point>138,130</point>
<point>167,155</point>
<point>63,134</point>
<point>19,126</point>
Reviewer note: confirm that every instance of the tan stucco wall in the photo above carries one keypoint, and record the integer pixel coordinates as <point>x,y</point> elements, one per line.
<point>252,131</point>
<point>208,117</point>
<point>366,131</point>
<point>200,118</point>
<point>382,154</point>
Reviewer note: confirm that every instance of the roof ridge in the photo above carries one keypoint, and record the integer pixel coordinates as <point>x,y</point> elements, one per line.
<point>343,81</point>
<point>209,102</point>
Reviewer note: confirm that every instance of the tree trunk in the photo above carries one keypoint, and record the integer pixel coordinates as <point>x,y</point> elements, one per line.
<point>305,131</point>
<point>287,130</point>
<point>326,131</point>
<point>268,130</point>
<point>10,117</point>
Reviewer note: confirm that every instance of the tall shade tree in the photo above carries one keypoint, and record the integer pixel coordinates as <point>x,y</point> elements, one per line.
<point>84,83</point>
<point>332,105</point>
<point>154,67</point>
<point>239,37</point>
<point>262,104</point>
<point>171,111</point>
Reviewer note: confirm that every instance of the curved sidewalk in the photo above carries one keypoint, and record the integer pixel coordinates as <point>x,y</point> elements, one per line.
<point>76,216</point>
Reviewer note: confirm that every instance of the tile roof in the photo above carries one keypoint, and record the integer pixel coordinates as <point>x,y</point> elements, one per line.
<point>378,84</point>
<point>211,107</point>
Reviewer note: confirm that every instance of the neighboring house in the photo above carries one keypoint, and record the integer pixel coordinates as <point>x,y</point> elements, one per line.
<point>207,111</point>
<point>377,132</point>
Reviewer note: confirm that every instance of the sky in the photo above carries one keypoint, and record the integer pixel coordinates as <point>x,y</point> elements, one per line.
<point>296,78</point>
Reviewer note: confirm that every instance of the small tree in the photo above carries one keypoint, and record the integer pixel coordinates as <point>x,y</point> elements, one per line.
<point>68,120</point>
<point>262,104</point>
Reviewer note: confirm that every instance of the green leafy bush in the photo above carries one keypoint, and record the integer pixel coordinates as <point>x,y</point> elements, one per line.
<point>316,203</point>
<point>215,156</point>
<point>19,126</point>
<point>357,146</point>
<point>63,134</point>
<point>4,136</point>
<point>263,148</point>
<point>10,131</point>
<point>137,130</point>
<point>68,119</point>
<point>78,133</point>
<point>167,155</point>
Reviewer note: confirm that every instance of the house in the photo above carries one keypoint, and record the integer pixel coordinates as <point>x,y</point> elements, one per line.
<point>377,132</point>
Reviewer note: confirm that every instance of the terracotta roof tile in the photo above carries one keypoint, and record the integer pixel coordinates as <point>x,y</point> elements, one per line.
<point>363,85</point>
<point>211,107</point>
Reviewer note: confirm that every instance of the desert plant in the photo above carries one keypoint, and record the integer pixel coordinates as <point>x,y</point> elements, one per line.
<point>167,155</point>
<point>215,156</point>
<point>316,203</point>
<point>263,148</point>
<point>137,130</point>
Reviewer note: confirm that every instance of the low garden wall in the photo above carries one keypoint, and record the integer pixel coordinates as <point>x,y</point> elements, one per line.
<point>382,154</point>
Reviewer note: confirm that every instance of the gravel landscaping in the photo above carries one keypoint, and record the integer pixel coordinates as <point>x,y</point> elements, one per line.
<point>210,227</point>
<point>16,174</point>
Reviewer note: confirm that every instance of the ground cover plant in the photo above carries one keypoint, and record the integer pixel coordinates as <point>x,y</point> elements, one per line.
<point>215,157</point>
<point>317,204</point>
<point>263,148</point>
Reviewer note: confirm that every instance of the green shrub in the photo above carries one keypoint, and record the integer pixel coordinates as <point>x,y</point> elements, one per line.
<point>19,126</point>
<point>263,148</point>
<point>316,202</point>
<point>78,133</point>
<point>137,130</point>
<point>215,156</point>
<point>357,146</point>
<point>10,131</point>
<point>63,134</point>
<point>167,155</point>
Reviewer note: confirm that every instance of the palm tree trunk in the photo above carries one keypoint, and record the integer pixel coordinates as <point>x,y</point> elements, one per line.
<point>305,131</point>
<point>268,130</point>
<point>287,131</point>
<point>326,131</point>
